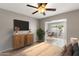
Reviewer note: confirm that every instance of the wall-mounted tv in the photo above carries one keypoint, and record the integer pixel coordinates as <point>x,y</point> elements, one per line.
<point>23,25</point>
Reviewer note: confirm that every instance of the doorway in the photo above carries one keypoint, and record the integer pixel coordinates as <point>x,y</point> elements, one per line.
<point>56,31</point>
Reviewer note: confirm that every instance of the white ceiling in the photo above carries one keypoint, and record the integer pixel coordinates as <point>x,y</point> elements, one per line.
<point>23,9</point>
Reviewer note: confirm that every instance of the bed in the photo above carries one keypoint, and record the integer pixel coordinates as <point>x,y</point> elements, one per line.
<point>42,49</point>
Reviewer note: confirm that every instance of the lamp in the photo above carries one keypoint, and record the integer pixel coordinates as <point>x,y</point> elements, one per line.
<point>41,9</point>
<point>74,40</point>
<point>17,29</point>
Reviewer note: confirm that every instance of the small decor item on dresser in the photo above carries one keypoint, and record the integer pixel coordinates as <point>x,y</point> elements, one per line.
<point>30,32</point>
<point>17,29</point>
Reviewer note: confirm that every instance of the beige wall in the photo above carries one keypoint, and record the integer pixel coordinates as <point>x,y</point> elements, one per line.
<point>72,22</point>
<point>6,27</point>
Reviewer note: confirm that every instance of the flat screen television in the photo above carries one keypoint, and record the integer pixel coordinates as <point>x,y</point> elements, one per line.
<point>23,25</point>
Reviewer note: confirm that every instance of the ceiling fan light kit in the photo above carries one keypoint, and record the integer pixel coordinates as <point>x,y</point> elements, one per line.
<point>41,8</point>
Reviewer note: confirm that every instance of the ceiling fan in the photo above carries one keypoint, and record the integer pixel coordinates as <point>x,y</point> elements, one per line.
<point>41,8</point>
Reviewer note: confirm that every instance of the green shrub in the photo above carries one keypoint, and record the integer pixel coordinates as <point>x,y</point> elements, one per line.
<point>40,34</point>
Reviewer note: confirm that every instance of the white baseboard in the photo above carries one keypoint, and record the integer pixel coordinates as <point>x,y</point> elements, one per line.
<point>7,50</point>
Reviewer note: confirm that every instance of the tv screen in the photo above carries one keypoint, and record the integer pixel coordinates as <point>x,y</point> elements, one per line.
<point>23,25</point>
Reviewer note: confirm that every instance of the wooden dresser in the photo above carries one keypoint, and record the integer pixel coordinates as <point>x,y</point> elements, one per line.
<point>28,39</point>
<point>22,40</point>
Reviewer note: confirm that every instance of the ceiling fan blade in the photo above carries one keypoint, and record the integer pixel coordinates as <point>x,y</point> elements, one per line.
<point>44,13</point>
<point>50,9</point>
<point>34,12</point>
<point>31,6</point>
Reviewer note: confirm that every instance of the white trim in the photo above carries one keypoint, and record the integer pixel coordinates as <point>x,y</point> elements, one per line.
<point>7,50</point>
<point>53,21</point>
